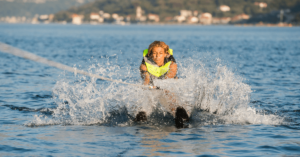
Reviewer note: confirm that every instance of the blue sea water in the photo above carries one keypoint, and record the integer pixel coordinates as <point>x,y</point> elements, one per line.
<point>240,84</point>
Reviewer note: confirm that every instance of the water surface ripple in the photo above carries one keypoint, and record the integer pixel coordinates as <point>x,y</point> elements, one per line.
<point>241,85</point>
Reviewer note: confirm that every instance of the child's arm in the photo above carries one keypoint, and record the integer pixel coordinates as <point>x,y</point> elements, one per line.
<point>173,70</point>
<point>145,75</point>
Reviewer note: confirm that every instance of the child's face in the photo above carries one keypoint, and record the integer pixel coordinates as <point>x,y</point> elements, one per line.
<point>158,54</point>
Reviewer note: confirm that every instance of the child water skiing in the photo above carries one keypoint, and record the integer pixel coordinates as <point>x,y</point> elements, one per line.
<point>159,63</point>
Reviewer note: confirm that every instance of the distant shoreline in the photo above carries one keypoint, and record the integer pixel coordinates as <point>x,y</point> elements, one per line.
<point>164,24</point>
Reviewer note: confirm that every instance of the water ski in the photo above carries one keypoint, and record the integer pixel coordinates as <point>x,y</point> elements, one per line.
<point>181,117</point>
<point>141,117</point>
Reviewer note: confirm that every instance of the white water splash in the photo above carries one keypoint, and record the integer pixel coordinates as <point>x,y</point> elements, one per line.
<point>212,88</point>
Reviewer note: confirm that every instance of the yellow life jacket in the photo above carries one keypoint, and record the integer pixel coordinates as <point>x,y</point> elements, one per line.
<point>155,69</point>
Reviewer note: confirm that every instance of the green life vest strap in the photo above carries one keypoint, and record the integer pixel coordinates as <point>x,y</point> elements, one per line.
<point>146,52</point>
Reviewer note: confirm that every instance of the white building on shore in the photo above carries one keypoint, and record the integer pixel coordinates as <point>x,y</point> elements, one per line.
<point>77,19</point>
<point>224,8</point>
<point>96,18</point>
<point>205,18</point>
<point>139,14</point>
<point>153,17</point>
<point>186,13</point>
<point>261,4</point>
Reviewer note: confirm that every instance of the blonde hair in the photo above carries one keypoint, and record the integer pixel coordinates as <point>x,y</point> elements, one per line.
<point>158,44</point>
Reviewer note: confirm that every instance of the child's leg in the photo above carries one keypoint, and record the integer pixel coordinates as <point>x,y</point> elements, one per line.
<point>168,101</point>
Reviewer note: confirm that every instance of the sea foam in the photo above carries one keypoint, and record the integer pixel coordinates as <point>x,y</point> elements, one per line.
<point>210,91</point>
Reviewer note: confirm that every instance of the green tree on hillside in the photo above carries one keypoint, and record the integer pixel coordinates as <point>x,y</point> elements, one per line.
<point>171,8</point>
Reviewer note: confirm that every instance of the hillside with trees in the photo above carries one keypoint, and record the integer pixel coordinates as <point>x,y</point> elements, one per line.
<point>29,8</point>
<point>171,8</point>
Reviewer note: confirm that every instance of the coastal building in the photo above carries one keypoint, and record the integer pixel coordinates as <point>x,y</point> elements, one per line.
<point>50,17</point>
<point>115,16</point>
<point>11,19</point>
<point>106,15</point>
<point>222,20</point>
<point>192,19</point>
<point>94,16</point>
<point>77,19</point>
<point>139,14</point>
<point>224,8</point>
<point>143,19</point>
<point>101,20</point>
<point>186,13</point>
<point>240,17</point>
<point>261,4</point>
<point>119,20</point>
<point>153,17</point>
<point>14,19</point>
<point>43,17</point>
<point>179,18</point>
<point>34,20</point>
<point>205,18</point>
